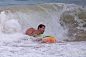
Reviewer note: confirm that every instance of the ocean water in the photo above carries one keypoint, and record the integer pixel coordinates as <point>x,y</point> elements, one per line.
<point>8,3</point>
<point>65,20</point>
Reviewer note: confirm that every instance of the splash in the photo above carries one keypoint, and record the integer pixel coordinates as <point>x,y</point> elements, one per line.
<point>63,21</point>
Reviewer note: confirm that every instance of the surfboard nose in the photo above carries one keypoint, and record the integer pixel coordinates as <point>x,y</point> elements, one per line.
<point>50,39</point>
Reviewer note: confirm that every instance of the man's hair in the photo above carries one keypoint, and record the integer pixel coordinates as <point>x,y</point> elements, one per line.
<point>40,26</point>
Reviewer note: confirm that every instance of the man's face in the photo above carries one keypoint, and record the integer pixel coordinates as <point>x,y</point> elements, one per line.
<point>42,29</point>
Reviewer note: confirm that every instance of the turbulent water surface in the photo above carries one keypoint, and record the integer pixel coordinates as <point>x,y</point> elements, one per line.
<point>66,22</point>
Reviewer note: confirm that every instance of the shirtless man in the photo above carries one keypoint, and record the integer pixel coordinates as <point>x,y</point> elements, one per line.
<point>32,31</point>
<point>40,30</point>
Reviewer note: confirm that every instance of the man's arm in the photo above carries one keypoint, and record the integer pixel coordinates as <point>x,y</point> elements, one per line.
<point>30,31</point>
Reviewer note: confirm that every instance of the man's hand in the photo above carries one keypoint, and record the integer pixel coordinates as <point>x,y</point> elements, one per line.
<point>35,35</point>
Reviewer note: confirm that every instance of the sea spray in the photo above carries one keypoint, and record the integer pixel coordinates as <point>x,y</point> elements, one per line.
<point>61,20</point>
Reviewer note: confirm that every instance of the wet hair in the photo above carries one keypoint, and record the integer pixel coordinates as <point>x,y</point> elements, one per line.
<point>40,26</point>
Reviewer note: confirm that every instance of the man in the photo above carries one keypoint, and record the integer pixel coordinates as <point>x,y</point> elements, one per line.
<point>40,30</point>
<point>32,31</point>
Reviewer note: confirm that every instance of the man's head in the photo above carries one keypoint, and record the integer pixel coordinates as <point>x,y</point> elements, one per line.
<point>41,27</point>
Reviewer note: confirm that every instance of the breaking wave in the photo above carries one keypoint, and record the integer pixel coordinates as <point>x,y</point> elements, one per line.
<point>66,22</point>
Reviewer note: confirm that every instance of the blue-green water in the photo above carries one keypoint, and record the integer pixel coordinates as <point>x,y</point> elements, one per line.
<point>8,3</point>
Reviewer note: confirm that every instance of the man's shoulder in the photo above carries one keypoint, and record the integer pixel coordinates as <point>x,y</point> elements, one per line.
<point>31,29</point>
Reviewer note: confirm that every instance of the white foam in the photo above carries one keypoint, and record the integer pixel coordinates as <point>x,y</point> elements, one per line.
<point>14,43</point>
<point>41,50</point>
<point>11,26</point>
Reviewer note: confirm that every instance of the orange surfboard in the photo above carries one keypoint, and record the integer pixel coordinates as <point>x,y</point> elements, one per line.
<point>50,39</point>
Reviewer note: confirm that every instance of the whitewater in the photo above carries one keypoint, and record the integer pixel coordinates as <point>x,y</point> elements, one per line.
<point>66,22</point>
